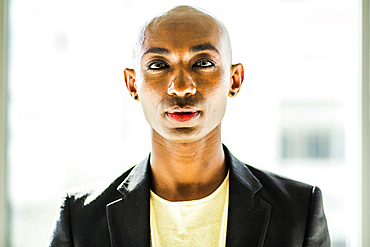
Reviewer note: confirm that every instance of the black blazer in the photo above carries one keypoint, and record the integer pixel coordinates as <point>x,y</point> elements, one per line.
<point>264,210</point>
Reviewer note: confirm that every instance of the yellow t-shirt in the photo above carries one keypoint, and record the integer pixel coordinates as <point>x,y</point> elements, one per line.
<point>200,222</point>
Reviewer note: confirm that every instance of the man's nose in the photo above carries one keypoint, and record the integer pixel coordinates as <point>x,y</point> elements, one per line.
<point>181,85</point>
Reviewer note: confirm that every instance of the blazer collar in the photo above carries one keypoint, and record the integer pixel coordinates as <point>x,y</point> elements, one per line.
<point>240,172</point>
<point>140,175</point>
<point>248,217</point>
<point>129,216</point>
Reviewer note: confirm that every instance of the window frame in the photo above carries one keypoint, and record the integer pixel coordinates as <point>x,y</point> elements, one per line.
<point>364,217</point>
<point>3,121</point>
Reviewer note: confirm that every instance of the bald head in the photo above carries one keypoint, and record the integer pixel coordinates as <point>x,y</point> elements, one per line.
<point>179,20</point>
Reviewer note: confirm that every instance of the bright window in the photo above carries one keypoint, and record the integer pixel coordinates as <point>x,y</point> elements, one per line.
<point>72,121</point>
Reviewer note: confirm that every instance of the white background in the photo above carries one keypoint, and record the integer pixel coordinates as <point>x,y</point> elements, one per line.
<point>71,119</point>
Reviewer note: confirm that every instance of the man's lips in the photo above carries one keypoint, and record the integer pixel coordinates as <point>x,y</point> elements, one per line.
<point>182,114</point>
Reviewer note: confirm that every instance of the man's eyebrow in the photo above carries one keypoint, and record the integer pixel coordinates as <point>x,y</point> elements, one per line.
<point>203,47</point>
<point>158,50</point>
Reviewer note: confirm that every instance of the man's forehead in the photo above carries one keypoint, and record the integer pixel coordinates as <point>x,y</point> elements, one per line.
<point>191,36</point>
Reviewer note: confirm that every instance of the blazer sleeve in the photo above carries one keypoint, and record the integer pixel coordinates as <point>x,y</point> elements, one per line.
<point>317,233</point>
<point>60,232</point>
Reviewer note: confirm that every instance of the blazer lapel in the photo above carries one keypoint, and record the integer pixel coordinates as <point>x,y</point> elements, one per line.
<point>249,215</point>
<point>128,217</point>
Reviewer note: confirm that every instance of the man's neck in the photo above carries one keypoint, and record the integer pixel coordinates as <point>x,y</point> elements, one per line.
<point>187,171</point>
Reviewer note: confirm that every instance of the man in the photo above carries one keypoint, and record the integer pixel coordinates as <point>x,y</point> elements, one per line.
<point>190,191</point>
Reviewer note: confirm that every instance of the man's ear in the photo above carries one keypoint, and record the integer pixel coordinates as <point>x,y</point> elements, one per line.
<point>129,75</point>
<point>236,79</point>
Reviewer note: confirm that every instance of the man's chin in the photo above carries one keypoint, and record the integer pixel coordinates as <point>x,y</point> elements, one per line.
<point>181,135</point>
<point>185,134</point>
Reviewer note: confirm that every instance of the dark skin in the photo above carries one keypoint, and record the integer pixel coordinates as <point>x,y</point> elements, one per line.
<point>185,69</point>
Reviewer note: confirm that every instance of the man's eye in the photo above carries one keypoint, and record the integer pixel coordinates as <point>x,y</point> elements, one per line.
<point>157,65</point>
<point>204,64</point>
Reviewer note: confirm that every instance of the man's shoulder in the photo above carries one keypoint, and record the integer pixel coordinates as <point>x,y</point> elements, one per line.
<point>266,177</point>
<point>278,186</point>
<point>104,188</point>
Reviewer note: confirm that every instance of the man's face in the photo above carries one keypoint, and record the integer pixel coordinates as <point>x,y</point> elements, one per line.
<point>183,81</point>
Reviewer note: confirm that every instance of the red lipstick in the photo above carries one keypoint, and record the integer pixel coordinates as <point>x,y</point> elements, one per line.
<point>182,114</point>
